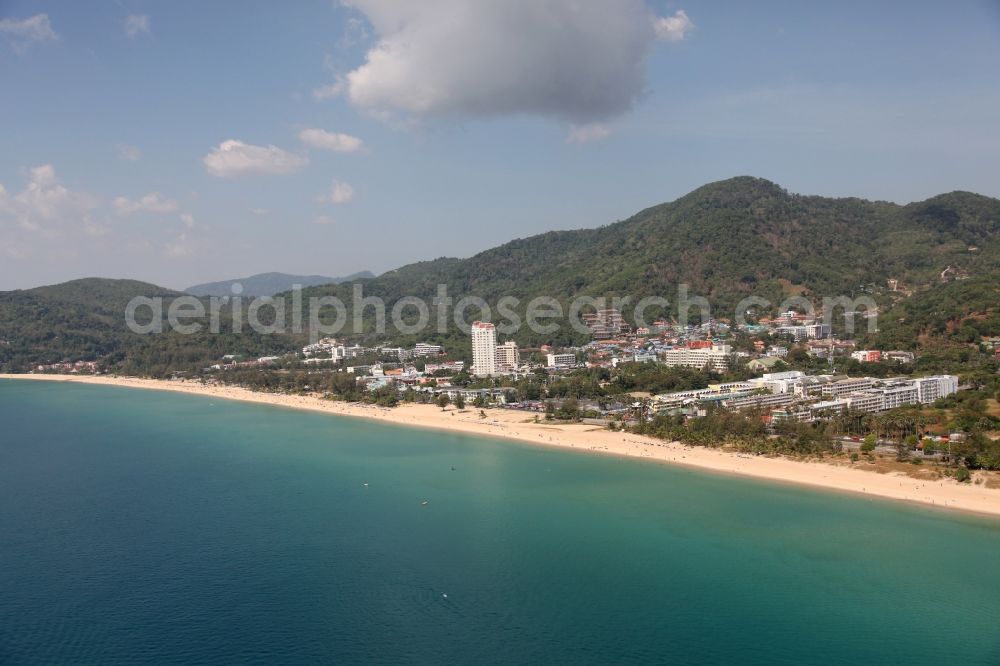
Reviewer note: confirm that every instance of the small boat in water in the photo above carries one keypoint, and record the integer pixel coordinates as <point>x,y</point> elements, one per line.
<point>424,503</point>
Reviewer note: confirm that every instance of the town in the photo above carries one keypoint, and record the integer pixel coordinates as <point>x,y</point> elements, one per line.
<point>773,375</point>
<point>786,369</point>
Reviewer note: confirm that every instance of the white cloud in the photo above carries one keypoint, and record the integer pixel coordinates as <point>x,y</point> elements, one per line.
<point>355,32</point>
<point>188,220</point>
<point>259,212</point>
<point>13,250</point>
<point>128,152</point>
<point>179,248</point>
<point>329,90</point>
<point>673,28</point>
<point>581,62</point>
<point>95,229</point>
<point>340,193</point>
<point>136,24</point>
<point>324,220</point>
<point>234,158</point>
<point>27,31</point>
<point>587,133</point>
<point>335,141</point>
<point>154,202</point>
<point>45,201</point>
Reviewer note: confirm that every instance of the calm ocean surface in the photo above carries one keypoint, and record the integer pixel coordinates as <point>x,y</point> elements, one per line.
<point>146,527</point>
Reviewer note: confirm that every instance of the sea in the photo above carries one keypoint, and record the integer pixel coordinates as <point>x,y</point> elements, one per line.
<point>145,527</point>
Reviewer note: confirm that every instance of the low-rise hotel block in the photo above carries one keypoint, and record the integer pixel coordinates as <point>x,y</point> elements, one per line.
<point>561,361</point>
<point>716,358</point>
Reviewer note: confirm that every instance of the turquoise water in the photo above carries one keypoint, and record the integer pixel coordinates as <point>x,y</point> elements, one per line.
<point>145,527</point>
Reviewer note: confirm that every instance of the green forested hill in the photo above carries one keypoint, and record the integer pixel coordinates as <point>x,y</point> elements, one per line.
<point>726,240</point>
<point>78,320</point>
<point>85,320</point>
<point>962,311</point>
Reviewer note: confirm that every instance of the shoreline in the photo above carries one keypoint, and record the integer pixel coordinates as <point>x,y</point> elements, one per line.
<point>519,426</point>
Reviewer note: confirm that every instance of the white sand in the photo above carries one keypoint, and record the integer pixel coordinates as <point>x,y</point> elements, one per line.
<point>517,425</point>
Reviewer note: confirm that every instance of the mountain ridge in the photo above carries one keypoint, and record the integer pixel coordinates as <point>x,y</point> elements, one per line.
<point>725,240</point>
<point>269,284</point>
<point>745,224</point>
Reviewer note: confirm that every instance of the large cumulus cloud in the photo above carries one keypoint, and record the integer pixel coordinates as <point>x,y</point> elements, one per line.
<point>581,61</point>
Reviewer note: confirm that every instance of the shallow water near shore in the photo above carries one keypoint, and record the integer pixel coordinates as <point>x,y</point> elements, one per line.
<point>147,527</point>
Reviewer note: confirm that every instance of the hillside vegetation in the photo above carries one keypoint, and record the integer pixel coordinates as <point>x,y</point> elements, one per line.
<point>726,241</point>
<point>84,320</point>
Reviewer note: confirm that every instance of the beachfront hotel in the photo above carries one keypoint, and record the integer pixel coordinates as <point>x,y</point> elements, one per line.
<point>484,349</point>
<point>508,357</point>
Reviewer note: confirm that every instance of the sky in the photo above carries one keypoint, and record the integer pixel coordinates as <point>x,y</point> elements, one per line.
<point>184,142</point>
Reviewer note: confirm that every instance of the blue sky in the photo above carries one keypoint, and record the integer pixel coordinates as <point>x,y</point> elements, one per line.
<point>451,126</point>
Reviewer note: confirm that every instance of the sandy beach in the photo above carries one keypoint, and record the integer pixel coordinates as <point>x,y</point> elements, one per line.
<point>520,426</point>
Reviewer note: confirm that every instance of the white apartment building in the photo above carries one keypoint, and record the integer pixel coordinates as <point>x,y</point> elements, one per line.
<point>484,349</point>
<point>808,332</point>
<point>401,354</point>
<point>355,351</point>
<point>717,357</point>
<point>561,361</point>
<point>447,366</point>
<point>324,346</point>
<point>679,398</point>
<point>779,382</point>
<point>422,349</point>
<point>865,402</point>
<point>924,390</point>
<point>828,407</point>
<point>897,396</point>
<point>508,357</point>
<point>848,386</point>
<point>929,389</point>
<point>760,400</point>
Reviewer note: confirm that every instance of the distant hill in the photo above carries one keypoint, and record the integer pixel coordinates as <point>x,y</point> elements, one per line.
<point>78,320</point>
<point>269,284</point>
<point>84,320</point>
